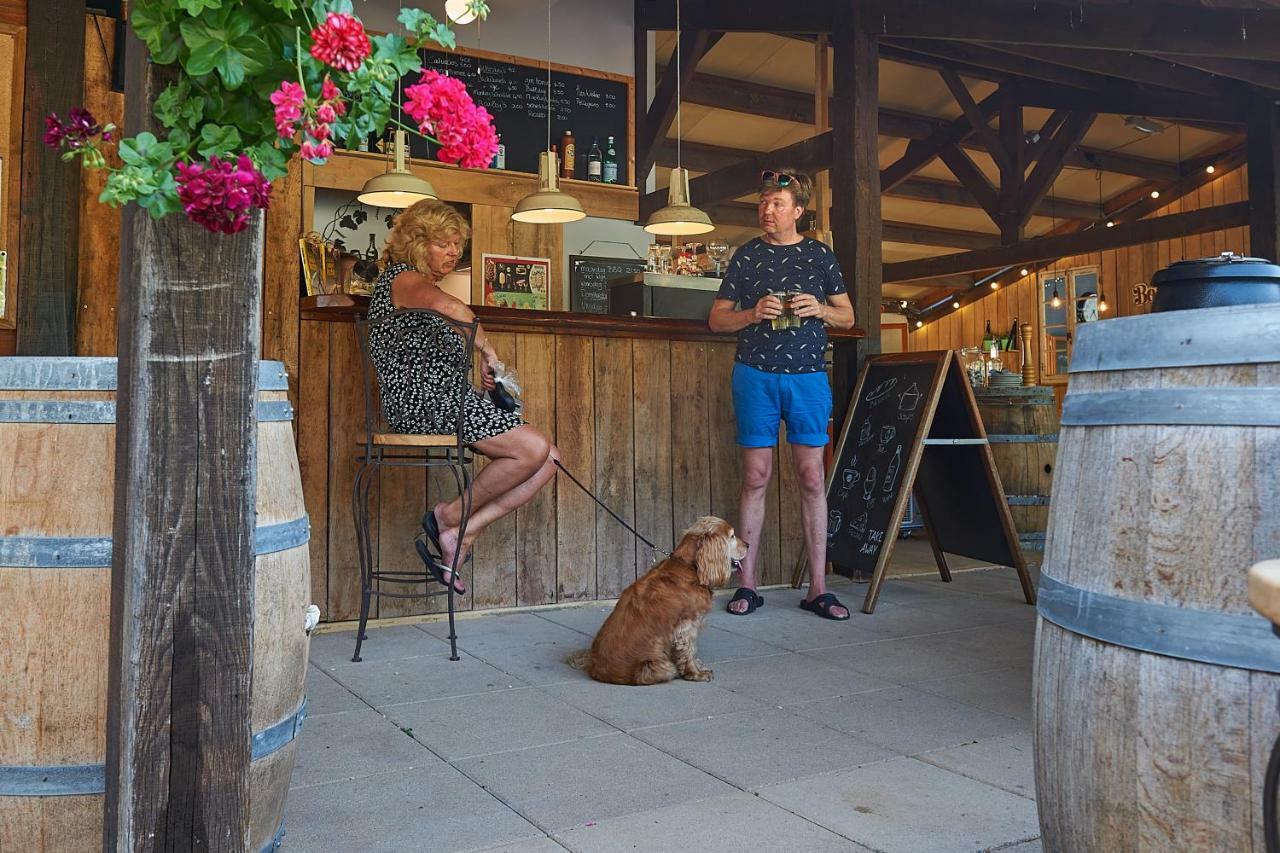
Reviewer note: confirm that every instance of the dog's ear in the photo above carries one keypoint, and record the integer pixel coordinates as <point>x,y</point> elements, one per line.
<point>713,557</point>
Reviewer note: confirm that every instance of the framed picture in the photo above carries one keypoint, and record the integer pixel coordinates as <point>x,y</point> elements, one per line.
<point>315,264</point>
<point>514,282</point>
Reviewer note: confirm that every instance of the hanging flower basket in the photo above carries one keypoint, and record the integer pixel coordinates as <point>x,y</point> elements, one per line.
<point>261,80</point>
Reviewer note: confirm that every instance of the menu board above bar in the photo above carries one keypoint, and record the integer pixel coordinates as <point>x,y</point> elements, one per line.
<point>589,103</point>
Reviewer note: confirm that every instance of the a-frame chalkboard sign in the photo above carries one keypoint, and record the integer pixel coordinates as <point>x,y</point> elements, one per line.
<point>914,422</point>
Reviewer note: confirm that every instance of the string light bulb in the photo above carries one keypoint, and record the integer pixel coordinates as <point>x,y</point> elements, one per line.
<point>1155,193</point>
<point>1056,301</point>
<point>1210,169</point>
<point>1024,272</point>
<point>919,323</point>
<point>955,303</point>
<point>1102,302</point>
<point>995,285</point>
<point>1110,224</point>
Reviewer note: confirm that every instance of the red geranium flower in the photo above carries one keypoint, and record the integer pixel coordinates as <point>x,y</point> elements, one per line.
<point>220,194</point>
<point>443,108</point>
<point>340,42</point>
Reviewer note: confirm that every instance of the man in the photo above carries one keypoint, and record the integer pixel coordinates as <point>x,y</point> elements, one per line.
<point>779,374</point>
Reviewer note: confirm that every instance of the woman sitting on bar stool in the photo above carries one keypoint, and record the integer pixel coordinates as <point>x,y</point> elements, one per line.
<point>423,247</point>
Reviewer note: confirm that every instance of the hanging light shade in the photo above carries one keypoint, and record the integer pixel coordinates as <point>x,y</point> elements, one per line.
<point>459,11</point>
<point>548,205</point>
<point>678,217</point>
<point>396,187</point>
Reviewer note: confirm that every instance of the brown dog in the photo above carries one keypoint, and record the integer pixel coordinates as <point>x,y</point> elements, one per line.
<point>650,636</point>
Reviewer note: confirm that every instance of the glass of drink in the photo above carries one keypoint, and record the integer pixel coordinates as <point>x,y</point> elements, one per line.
<point>718,251</point>
<point>787,319</point>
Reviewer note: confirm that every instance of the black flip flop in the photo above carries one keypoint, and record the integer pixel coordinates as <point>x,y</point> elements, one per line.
<point>433,566</point>
<point>822,606</point>
<point>431,527</point>
<point>753,599</point>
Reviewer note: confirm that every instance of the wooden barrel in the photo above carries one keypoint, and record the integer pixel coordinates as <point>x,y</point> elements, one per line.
<point>57,458</point>
<point>1022,426</point>
<point>1155,683</point>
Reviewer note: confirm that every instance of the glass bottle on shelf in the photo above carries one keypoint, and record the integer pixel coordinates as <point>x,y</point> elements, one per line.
<point>595,161</point>
<point>567,152</point>
<point>610,163</point>
<point>987,339</point>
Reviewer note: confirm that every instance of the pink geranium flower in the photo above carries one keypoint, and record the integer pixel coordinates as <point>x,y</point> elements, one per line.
<point>220,194</point>
<point>443,108</point>
<point>340,42</point>
<point>289,100</point>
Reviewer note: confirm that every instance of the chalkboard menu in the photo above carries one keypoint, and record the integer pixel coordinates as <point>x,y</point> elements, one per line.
<point>881,433</point>
<point>913,424</point>
<point>589,280</point>
<point>516,96</point>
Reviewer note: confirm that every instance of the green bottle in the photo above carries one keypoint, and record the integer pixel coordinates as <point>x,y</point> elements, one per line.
<point>610,163</point>
<point>987,340</point>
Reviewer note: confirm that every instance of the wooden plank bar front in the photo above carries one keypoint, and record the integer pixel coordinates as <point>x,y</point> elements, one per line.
<point>640,409</point>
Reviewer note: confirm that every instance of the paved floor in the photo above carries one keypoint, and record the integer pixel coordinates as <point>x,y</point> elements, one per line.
<point>905,730</point>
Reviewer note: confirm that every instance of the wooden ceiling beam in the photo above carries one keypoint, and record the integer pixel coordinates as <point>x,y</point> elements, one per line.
<point>1096,239</point>
<point>999,67</point>
<point>694,44</point>
<point>743,17</point>
<point>1194,30</point>
<point>1264,74</point>
<point>724,93</point>
<point>1120,99</point>
<point>972,179</point>
<point>921,152</point>
<point>1050,165</point>
<point>977,118</point>
<point>1120,65</point>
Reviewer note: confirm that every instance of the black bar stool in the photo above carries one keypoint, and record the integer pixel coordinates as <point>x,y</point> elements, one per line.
<point>384,447</point>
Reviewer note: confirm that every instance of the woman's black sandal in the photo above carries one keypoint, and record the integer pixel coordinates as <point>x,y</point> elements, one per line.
<point>753,599</point>
<point>433,566</point>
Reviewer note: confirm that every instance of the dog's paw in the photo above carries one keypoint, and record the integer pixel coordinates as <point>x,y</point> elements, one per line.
<point>699,675</point>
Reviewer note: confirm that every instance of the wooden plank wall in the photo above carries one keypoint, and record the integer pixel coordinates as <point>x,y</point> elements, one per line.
<point>1121,270</point>
<point>645,424</point>
<point>13,19</point>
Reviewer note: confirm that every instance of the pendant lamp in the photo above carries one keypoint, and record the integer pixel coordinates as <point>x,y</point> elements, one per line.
<point>678,218</point>
<point>396,187</point>
<point>548,205</point>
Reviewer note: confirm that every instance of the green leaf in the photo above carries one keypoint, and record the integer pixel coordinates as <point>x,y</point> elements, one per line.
<point>176,108</point>
<point>134,151</point>
<point>284,5</point>
<point>225,43</point>
<point>193,7</point>
<point>320,9</point>
<point>395,51</point>
<point>179,140</point>
<point>218,139</point>
<point>154,23</point>
<point>443,36</point>
<point>270,160</point>
<point>416,20</point>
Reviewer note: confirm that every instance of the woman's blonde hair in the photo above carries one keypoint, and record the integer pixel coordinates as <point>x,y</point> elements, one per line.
<point>418,226</point>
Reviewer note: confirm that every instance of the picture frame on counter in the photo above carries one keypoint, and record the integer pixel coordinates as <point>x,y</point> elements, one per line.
<point>511,281</point>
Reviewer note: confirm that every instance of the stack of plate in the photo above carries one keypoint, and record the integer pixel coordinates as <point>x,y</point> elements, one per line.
<point>1004,379</point>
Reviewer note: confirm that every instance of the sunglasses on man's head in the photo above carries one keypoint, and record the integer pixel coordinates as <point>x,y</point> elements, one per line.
<point>782,179</point>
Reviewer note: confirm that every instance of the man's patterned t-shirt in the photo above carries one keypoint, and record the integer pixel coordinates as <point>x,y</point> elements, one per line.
<point>759,268</point>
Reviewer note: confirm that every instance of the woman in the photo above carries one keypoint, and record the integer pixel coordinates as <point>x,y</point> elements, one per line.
<point>420,387</point>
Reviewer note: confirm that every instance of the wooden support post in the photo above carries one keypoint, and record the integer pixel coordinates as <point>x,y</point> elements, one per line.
<point>821,201</point>
<point>178,726</point>
<point>855,181</point>
<point>1012,169</point>
<point>1264,177</point>
<point>642,76</point>
<point>49,225</point>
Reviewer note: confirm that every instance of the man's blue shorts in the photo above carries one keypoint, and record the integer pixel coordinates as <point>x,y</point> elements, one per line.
<point>762,399</point>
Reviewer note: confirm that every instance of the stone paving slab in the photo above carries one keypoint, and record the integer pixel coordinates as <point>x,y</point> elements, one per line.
<point>567,785</point>
<point>790,678</point>
<point>326,696</point>
<point>1006,762</point>
<point>331,649</point>
<point>907,806</point>
<point>480,724</point>
<point>1002,691</point>
<point>416,679</point>
<point>435,809</point>
<point>737,823</point>
<point>762,747</point>
<point>628,708</point>
<point>905,660</point>
<point>906,720</point>
<point>353,745</point>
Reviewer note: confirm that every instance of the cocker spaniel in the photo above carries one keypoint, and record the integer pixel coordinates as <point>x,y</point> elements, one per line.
<point>650,636</point>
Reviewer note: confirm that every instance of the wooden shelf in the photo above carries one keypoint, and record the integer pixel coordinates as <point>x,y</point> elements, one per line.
<point>333,307</point>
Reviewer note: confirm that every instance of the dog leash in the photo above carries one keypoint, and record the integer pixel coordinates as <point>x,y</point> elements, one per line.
<point>662,551</point>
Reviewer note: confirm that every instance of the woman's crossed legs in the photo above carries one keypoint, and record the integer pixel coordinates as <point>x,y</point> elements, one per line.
<point>521,461</point>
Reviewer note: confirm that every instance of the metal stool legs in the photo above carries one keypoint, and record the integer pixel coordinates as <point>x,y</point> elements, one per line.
<point>371,573</point>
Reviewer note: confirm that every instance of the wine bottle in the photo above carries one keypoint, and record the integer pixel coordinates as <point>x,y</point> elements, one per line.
<point>1011,343</point>
<point>610,163</point>
<point>595,161</point>
<point>987,339</point>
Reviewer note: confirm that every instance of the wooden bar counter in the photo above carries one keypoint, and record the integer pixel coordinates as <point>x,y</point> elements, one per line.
<point>641,409</point>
